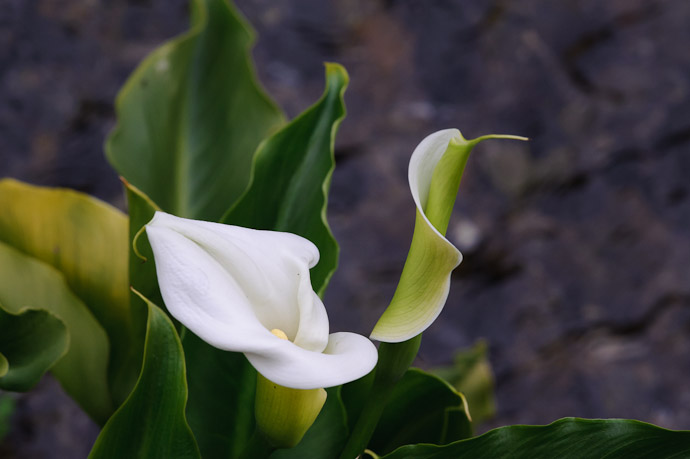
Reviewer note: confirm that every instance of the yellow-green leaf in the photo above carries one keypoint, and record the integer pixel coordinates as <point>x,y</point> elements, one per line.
<point>82,372</point>
<point>86,240</point>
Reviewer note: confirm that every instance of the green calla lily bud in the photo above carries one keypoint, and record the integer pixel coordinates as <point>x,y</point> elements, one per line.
<point>283,415</point>
<point>435,171</point>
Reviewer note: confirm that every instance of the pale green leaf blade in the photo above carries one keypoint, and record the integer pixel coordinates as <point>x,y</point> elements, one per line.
<point>86,240</point>
<point>292,175</point>
<point>435,171</point>
<point>151,422</point>
<point>82,372</point>
<point>568,438</point>
<point>191,116</point>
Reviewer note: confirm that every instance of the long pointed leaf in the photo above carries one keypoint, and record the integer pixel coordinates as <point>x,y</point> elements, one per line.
<point>151,423</point>
<point>191,116</point>
<point>292,174</point>
<point>82,372</point>
<point>568,438</point>
<point>86,240</point>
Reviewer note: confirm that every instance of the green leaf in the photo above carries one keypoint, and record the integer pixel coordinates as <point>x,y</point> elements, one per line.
<point>4,365</point>
<point>151,423</point>
<point>471,375</point>
<point>292,175</point>
<point>354,395</point>
<point>297,163</point>
<point>7,405</point>
<point>327,435</point>
<point>191,116</point>
<point>568,438</point>
<point>86,240</point>
<point>422,409</point>
<point>142,265</point>
<point>436,168</point>
<point>30,343</point>
<point>221,398</point>
<point>82,372</point>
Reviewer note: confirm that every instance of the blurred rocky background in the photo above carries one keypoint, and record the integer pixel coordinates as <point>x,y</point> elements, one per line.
<point>576,244</point>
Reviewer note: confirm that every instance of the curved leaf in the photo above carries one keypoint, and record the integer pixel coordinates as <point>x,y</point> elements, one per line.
<point>31,341</point>
<point>191,116</point>
<point>86,240</point>
<point>82,372</point>
<point>292,175</point>
<point>422,408</point>
<point>471,374</point>
<point>568,438</point>
<point>151,423</point>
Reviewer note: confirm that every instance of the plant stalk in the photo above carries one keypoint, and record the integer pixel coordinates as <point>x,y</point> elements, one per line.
<point>394,360</point>
<point>258,447</point>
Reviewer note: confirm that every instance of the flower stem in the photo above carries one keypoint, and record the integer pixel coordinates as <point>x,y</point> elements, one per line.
<point>258,447</point>
<point>394,360</point>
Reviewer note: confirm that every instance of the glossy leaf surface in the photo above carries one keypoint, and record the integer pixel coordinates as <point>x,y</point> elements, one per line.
<point>151,423</point>
<point>142,266</point>
<point>191,116</point>
<point>421,409</point>
<point>568,438</point>
<point>292,175</point>
<point>221,398</point>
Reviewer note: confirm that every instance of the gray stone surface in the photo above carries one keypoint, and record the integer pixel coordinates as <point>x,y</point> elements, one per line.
<point>576,244</point>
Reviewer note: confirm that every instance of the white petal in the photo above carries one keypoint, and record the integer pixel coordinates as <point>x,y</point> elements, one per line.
<point>347,357</point>
<point>423,162</point>
<point>420,172</point>
<point>425,282</point>
<point>232,285</point>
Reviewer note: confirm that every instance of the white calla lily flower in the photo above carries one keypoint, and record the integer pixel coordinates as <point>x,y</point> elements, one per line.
<point>244,290</point>
<point>434,174</point>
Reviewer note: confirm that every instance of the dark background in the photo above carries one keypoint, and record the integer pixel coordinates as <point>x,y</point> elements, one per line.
<point>576,244</point>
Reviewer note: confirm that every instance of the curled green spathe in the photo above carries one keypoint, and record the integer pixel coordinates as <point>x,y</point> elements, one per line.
<point>435,171</point>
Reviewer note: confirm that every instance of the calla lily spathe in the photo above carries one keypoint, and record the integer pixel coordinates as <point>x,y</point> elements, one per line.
<point>232,286</point>
<point>434,174</point>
